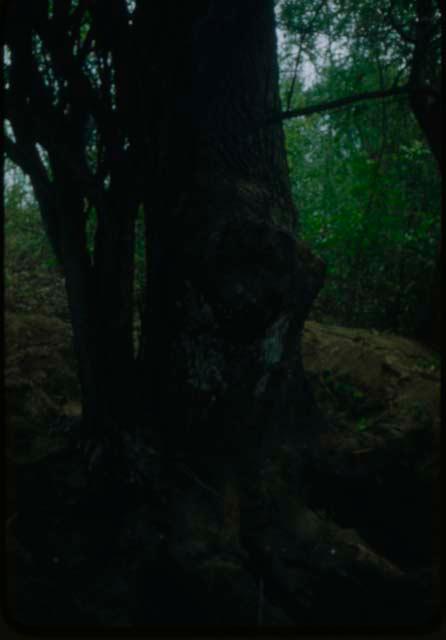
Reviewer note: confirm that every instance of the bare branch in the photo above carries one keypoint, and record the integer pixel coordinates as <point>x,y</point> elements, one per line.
<point>330,105</point>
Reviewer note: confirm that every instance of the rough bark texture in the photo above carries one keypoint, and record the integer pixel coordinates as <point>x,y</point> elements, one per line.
<point>233,285</point>
<point>424,72</point>
<point>428,111</point>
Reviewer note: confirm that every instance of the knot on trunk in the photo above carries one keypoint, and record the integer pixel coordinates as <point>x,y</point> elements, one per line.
<point>252,272</point>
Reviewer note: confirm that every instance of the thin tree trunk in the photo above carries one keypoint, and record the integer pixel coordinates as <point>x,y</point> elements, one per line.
<point>427,109</point>
<point>100,299</point>
<point>114,277</point>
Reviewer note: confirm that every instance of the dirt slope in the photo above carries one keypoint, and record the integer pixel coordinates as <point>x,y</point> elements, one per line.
<point>370,490</point>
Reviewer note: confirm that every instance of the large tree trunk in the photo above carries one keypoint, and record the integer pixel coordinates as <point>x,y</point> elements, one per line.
<point>231,287</point>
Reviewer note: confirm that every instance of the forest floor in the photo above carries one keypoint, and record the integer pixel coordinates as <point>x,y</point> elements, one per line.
<point>374,476</point>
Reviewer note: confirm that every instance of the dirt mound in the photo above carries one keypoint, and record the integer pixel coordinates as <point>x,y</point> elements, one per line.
<point>361,534</point>
<point>379,465</point>
<point>381,392</point>
<point>373,387</point>
<point>374,375</point>
<point>40,380</point>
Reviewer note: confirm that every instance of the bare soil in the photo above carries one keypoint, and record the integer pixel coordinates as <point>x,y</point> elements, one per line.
<point>374,479</point>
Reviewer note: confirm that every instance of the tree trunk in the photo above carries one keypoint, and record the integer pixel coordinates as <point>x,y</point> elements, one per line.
<point>101,312</point>
<point>114,273</point>
<point>428,111</point>
<point>429,327</point>
<point>231,287</point>
<point>100,300</point>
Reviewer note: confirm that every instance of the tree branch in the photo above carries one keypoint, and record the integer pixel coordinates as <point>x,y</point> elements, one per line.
<point>303,37</point>
<point>342,102</point>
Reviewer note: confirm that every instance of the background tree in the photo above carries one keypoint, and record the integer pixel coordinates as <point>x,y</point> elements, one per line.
<point>70,133</point>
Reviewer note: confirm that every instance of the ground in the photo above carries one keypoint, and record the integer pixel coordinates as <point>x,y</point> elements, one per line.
<point>368,519</point>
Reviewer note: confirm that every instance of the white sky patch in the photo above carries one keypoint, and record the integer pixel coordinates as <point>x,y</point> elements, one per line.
<point>43,153</point>
<point>9,131</point>
<point>13,177</point>
<point>6,55</point>
<point>307,71</point>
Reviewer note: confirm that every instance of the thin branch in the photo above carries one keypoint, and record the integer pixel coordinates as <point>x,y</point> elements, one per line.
<point>342,102</point>
<point>304,35</point>
<point>294,77</point>
<point>384,108</point>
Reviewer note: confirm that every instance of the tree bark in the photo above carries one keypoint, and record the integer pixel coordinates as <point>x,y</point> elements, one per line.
<point>427,109</point>
<point>231,287</point>
<point>100,300</point>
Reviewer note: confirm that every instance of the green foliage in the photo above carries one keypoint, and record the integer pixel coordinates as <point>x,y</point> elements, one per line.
<point>364,181</point>
<point>26,244</point>
<point>362,424</point>
<point>372,214</point>
<point>430,364</point>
